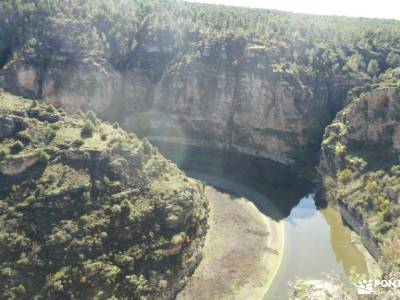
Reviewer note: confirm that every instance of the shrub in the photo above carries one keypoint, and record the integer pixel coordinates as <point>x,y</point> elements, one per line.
<point>345,175</point>
<point>55,127</point>
<point>103,136</point>
<point>371,186</point>
<point>77,143</point>
<point>3,154</point>
<point>51,109</point>
<point>88,129</point>
<point>43,157</point>
<point>51,134</point>
<point>24,137</point>
<point>91,116</point>
<point>20,290</point>
<point>395,170</point>
<point>84,218</point>
<point>147,146</point>
<point>340,150</point>
<point>86,196</point>
<point>17,147</point>
<point>115,125</point>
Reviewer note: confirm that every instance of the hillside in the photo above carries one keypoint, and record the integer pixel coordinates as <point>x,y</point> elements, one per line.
<point>90,211</point>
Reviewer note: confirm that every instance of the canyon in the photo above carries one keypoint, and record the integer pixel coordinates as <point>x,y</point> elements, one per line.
<point>318,94</point>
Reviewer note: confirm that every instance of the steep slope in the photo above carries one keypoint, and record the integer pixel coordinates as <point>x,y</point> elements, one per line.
<point>89,211</point>
<point>360,165</point>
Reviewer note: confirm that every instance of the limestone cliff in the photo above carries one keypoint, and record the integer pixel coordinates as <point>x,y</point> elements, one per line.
<point>232,94</point>
<point>360,164</point>
<point>88,211</point>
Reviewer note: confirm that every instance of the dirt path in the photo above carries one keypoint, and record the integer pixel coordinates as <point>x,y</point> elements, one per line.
<point>242,251</point>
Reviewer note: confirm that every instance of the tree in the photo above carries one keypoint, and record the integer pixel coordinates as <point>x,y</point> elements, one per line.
<point>393,59</point>
<point>88,129</point>
<point>17,147</point>
<point>356,62</point>
<point>373,67</point>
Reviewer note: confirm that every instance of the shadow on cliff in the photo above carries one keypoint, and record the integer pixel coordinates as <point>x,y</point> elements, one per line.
<point>280,184</point>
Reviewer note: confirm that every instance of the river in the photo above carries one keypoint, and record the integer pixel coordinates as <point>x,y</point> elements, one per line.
<point>316,240</point>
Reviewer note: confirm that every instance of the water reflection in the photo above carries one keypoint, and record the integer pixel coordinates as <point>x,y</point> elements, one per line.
<point>316,240</point>
<point>316,243</point>
<point>281,185</point>
<point>345,251</point>
<point>305,209</point>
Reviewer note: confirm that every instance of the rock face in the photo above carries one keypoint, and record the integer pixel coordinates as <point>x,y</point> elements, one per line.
<point>358,226</point>
<point>360,164</point>
<point>234,95</point>
<point>217,77</point>
<point>7,126</point>
<point>18,165</point>
<point>90,212</point>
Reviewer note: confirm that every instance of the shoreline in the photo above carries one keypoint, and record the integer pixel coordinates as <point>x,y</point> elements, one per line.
<point>374,271</point>
<point>272,262</point>
<point>242,251</point>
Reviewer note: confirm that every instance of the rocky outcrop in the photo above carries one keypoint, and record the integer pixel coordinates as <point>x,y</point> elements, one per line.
<point>360,163</point>
<point>90,211</point>
<point>7,127</point>
<point>14,166</point>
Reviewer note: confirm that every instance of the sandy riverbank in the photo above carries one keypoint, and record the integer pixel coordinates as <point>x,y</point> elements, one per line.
<point>242,251</point>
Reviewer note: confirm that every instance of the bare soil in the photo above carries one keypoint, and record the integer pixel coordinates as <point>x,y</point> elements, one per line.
<point>242,251</point>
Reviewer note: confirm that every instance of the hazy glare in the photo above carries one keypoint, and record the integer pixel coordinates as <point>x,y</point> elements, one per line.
<point>388,9</point>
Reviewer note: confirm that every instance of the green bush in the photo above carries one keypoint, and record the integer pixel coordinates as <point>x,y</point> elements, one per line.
<point>115,125</point>
<point>340,150</point>
<point>24,137</point>
<point>51,109</point>
<point>77,143</point>
<point>91,116</point>
<point>43,157</point>
<point>345,175</point>
<point>55,126</point>
<point>20,290</point>
<point>88,129</point>
<point>17,147</point>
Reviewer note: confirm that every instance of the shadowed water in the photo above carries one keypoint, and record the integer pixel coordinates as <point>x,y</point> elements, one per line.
<point>316,240</point>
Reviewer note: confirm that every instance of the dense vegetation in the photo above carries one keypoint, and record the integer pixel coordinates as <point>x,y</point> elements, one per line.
<point>99,50</point>
<point>104,35</point>
<point>90,212</point>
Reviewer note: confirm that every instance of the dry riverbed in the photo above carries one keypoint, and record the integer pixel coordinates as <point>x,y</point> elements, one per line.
<point>242,251</point>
